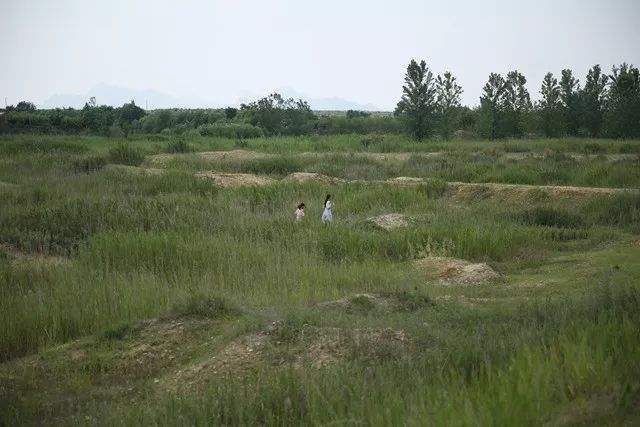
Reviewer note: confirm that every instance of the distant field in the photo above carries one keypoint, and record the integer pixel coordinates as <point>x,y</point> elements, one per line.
<point>145,281</point>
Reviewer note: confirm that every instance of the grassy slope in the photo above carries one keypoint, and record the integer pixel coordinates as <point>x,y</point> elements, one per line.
<point>554,341</point>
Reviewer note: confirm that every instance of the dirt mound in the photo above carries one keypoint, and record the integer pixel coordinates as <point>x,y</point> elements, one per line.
<point>285,345</point>
<point>214,156</point>
<point>405,180</point>
<point>390,221</point>
<point>136,169</point>
<point>522,191</point>
<point>310,176</point>
<point>456,271</point>
<point>388,301</point>
<point>233,155</point>
<point>235,179</point>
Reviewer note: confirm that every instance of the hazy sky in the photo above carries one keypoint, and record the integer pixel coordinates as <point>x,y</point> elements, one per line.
<point>358,50</point>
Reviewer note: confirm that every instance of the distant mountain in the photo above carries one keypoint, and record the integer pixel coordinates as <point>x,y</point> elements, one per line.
<point>329,103</point>
<point>116,96</point>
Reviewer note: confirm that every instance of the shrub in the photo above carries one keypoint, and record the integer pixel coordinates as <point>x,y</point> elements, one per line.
<point>125,154</point>
<point>231,130</point>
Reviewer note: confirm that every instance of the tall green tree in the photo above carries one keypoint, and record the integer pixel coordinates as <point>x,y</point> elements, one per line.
<point>594,95</point>
<point>622,119</point>
<point>418,102</point>
<point>549,106</point>
<point>570,100</point>
<point>448,103</point>
<point>517,104</point>
<point>491,110</point>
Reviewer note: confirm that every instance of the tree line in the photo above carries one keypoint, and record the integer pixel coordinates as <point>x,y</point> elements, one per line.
<point>606,105</point>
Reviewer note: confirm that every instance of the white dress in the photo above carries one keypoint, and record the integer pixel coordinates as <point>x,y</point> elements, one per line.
<point>299,214</point>
<point>327,215</point>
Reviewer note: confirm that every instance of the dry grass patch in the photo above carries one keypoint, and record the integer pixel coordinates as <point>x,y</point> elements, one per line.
<point>311,176</point>
<point>235,179</point>
<point>390,221</point>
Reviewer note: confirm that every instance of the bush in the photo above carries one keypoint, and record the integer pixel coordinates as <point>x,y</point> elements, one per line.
<point>89,164</point>
<point>231,130</point>
<point>125,154</point>
<point>551,217</point>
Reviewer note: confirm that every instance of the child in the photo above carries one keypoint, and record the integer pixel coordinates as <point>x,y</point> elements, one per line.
<point>299,213</point>
<point>327,215</point>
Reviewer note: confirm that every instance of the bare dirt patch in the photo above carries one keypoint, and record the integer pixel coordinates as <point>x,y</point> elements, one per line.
<point>456,271</point>
<point>230,180</point>
<point>310,176</point>
<point>390,221</point>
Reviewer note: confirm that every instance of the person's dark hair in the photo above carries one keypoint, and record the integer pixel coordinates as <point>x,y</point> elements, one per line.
<point>326,199</point>
<point>301,206</point>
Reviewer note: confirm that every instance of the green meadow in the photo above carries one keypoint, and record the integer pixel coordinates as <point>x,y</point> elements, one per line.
<point>133,292</point>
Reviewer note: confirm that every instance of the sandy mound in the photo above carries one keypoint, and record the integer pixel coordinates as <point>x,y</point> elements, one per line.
<point>456,271</point>
<point>235,179</point>
<point>390,221</point>
<point>136,169</point>
<point>311,176</point>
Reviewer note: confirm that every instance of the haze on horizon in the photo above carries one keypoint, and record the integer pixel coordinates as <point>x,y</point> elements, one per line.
<point>217,52</point>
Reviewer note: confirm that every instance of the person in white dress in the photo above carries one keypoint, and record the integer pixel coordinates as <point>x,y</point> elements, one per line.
<point>299,213</point>
<point>327,214</point>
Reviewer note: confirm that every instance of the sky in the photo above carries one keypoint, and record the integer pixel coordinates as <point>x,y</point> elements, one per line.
<point>222,50</point>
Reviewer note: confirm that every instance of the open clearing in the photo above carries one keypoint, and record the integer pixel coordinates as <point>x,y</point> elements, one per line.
<point>463,285</point>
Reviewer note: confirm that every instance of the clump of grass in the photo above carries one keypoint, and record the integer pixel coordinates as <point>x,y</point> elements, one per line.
<point>125,154</point>
<point>274,166</point>
<point>433,188</point>
<point>178,145</point>
<point>620,210</point>
<point>89,163</point>
<point>203,306</point>
<point>551,217</point>
<point>411,300</point>
<point>361,303</point>
<point>118,332</point>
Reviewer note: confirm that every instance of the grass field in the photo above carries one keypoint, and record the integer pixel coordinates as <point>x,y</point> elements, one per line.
<point>134,292</point>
